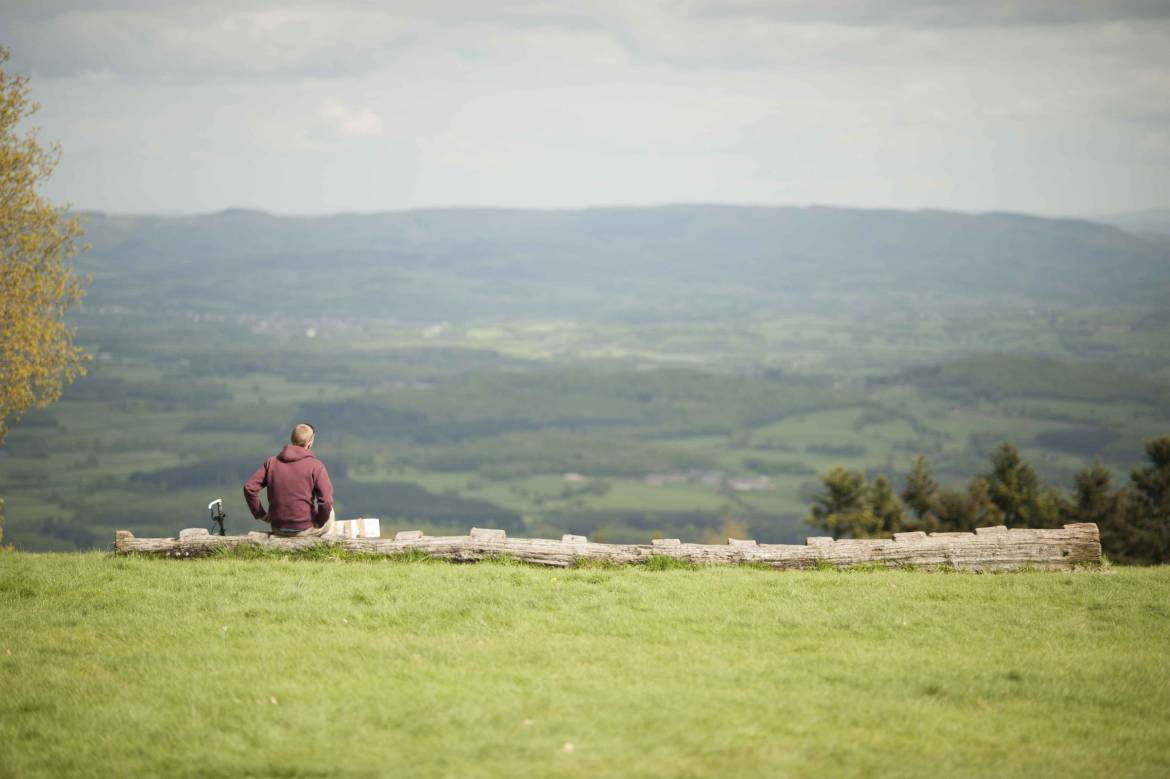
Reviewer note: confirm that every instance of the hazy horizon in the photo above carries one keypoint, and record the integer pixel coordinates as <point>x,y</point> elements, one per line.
<point>157,214</point>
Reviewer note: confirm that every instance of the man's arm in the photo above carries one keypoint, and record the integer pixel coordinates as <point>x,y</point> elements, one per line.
<point>323,488</point>
<point>252,487</point>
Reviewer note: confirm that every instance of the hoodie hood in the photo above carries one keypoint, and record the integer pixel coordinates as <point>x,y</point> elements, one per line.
<point>291,453</point>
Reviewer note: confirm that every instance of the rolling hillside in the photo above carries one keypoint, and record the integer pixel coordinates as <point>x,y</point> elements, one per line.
<point>622,263</point>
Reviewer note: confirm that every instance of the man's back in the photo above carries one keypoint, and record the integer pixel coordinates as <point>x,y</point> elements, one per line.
<point>300,494</point>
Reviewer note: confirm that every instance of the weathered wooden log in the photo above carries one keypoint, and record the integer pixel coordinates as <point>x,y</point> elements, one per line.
<point>987,549</point>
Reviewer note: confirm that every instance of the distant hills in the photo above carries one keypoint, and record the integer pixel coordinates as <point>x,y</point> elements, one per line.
<point>611,263</point>
<point>1153,222</point>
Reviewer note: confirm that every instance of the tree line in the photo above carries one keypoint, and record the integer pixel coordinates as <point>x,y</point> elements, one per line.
<point>1134,518</point>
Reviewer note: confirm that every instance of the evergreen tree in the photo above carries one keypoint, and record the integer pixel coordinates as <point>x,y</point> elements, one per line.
<point>1143,534</point>
<point>921,495</point>
<point>1094,499</point>
<point>1134,521</point>
<point>1017,491</point>
<point>965,510</point>
<point>885,509</point>
<point>850,508</point>
<point>841,509</point>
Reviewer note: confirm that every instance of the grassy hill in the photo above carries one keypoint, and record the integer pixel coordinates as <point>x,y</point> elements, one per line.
<point>232,667</point>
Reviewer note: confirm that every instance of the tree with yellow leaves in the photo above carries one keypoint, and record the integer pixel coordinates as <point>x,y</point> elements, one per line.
<point>37,281</point>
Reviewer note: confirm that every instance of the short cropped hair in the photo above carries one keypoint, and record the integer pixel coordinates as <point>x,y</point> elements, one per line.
<point>302,434</point>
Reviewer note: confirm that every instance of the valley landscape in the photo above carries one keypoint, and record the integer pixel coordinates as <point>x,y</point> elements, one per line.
<point>686,371</point>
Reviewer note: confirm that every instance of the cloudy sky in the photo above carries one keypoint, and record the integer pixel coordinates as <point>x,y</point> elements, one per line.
<point>1046,106</point>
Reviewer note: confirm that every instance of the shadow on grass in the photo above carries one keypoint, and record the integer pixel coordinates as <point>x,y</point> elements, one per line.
<point>658,562</point>
<point>331,553</point>
<point>322,552</point>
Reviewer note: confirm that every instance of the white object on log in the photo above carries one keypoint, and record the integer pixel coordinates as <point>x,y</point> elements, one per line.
<point>365,527</point>
<point>987,549</point>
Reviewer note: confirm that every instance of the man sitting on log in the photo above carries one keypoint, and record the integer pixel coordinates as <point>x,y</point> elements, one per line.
<point>300,495</point>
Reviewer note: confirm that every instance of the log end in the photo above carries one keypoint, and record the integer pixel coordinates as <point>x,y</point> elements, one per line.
<point>121,539</point>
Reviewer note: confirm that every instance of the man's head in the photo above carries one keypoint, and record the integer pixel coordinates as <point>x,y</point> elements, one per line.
<point>302,435</point>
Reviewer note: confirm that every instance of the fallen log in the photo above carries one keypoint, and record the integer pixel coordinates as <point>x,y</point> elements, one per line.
<point>987,549</point>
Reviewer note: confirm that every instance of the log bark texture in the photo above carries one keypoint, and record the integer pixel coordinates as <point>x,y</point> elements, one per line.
<point>987,549</point>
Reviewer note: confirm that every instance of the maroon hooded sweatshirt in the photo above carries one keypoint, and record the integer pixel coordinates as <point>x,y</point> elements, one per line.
<point>296,480</point>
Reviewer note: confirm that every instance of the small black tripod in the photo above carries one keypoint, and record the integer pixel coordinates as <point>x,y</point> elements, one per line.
<point>215,507</point>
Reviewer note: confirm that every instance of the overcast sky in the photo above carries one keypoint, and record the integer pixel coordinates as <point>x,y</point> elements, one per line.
<point>311,107</point>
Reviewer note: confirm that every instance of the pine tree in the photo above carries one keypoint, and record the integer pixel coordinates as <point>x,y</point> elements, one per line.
<point>965,510</point>
<point>921,495</point>
<point>841,509</point>
<point>885,508</point>
<point>1094,499</point>
<point>851,508</point>
<point>1144,534</point>
<point>1017,491</point>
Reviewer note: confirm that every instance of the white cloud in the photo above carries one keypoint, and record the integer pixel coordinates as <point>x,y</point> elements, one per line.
<point>350,121</point>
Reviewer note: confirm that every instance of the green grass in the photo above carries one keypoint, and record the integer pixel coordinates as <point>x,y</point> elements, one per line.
<point>282,667</point>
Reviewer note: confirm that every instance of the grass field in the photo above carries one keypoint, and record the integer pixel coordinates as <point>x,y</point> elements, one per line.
<point>279,667</point>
